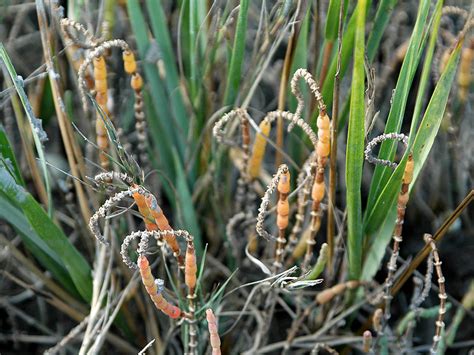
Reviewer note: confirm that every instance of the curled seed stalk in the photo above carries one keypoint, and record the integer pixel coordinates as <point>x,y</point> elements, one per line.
<point>442,293</point>
<point>283,211</point>
<point>143,236</point>
<point>241,198</point>
<point>397,233</point>
<point>104,209</point>
<point>70,27</point>
<point>107,177</point>
<point>265,202</point>
<point>313,86</point>
<point>295,120</point>
<point>374,142</point>
<point>214,338</point>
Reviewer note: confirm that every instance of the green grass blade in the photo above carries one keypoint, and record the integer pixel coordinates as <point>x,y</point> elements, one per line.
<point>346,54</point>
<point>382,16</point>
<point>434,113</point>
<point>35,123</point>
<point>425,74</point>
<point>355,148</point>
<point>186,206</point>
<point>332,19</point>
<point>159,27</point>
<point>237,58</point>
<point>8,157</point>
<point>46,256</point>
<point>400,98</point>
<point>51,234</point>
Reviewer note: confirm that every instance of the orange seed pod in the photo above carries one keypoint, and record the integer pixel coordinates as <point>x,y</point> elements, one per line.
<point>284,182</point>
<point>129,63</point>
<point>136,82</point>
<point>101,98</point>
<point>154,289</point>
<point>318,190</point>
<point>258,150</point>
<point>408,173</point>
<point>100,69</point>
<point>190,270</point>
<point>101,86</point>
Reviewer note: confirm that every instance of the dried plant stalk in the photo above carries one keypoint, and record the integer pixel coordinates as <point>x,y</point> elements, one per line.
<point>397,232</point>
<point>214,338</point>
<point>442,293</point>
